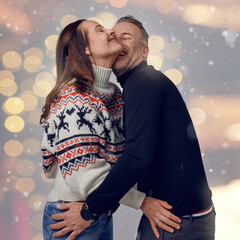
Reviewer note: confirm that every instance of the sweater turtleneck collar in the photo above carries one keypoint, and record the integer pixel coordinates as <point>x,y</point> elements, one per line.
<point>102,76</point>
<point>122,79</point>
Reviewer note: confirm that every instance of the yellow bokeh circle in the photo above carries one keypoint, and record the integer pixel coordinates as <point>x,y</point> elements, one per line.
<point>51,42</point>
<point>25,185</point>
<point>34,52</point>
<point>5,74</point>
<point>12,61</point>
<point>32,64</point>
<point>30,100</point>
<point>8,87</point>
<point>14,105</point>
<point>37,202</point>
<point>14,124</point>
<point>155,61</point>
<point>108,19</point>
<point>118,3</point>
<point>174,75</point>
<point>13,148</point>
<point>42,88</point>
<point>156,43</point>
<point>67,19</point>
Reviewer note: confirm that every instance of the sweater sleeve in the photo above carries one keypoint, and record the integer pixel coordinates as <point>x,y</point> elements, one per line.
<point>48,149</point>
<point>133,198</point>
<point>142,103</point>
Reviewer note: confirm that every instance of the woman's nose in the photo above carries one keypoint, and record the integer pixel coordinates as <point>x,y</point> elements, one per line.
<point>110,31</point>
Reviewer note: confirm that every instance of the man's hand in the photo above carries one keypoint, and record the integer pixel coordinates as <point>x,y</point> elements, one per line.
<point>155,210</point>
<point>71,220</point>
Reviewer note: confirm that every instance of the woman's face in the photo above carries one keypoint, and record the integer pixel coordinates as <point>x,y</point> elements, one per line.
<point>103,47</point>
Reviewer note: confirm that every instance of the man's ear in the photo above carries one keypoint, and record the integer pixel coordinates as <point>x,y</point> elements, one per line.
<point>145,51</point>
<point>87,51</point>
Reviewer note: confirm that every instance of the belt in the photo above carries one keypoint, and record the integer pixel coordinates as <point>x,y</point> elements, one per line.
<point>199,213</point>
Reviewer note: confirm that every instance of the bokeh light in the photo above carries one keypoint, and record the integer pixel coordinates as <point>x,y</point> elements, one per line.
<point>36,52</point>
<point>5,74</point>
<point>174,75</point>
<point>198,115</point>
<point>156,43</point>
<point>51,42</point>
<point>14,124</point>
<point>30,100</point>
<point>118,3</point>
<point>233,132</point>
<point>164,6</point>
<point>12,61</point>
<point>172,51</point>
<point>101,1</point>
<point>25,185</point>
<point>45,76</point>
<point>14,105</point>
<point>67,19</point>
<point>8,87</point>
<point>26,168</point>
<point>54,71</point>
<point>42,88</point>
<point>37,202</point>
<point>108,19</point>
<point>31,146</point>
<point>198,14</point>
<point>32,64</point>
<point>13,148</point>
<point>155,61</point>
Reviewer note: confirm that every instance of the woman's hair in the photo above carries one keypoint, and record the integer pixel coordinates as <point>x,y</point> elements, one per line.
<point>72,62</point>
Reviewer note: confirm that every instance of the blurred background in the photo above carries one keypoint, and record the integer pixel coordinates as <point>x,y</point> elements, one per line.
<point>195,43</point>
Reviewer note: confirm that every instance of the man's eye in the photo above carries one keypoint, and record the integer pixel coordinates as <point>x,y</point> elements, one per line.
<point>125,38</point>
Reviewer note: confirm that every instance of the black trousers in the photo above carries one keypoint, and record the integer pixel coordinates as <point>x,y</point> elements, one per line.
<point>192,228</point>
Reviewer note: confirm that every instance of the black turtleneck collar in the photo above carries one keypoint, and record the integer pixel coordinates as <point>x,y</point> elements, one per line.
<point>122,79</point>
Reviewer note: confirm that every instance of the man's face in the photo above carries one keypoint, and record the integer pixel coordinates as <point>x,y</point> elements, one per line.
<point>134,51</point>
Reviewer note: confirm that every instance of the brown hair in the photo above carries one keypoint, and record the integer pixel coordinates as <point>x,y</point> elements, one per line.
<point>72,62</point>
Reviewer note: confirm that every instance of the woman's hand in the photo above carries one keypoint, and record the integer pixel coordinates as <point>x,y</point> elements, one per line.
<point>158,213</point>
<point>71,220</point>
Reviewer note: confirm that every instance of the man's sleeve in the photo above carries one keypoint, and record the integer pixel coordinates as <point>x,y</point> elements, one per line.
<point>142,103</point>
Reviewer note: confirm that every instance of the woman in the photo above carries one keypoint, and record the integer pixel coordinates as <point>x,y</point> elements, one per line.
<point>82,117</point>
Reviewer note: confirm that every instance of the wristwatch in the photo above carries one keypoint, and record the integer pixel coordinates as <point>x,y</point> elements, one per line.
<point>86,214</point>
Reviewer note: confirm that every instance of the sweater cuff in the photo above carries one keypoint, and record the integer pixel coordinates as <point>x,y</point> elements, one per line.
<point>133,198</point>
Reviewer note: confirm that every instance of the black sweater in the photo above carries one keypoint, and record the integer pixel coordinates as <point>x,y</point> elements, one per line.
<point>161,150</point>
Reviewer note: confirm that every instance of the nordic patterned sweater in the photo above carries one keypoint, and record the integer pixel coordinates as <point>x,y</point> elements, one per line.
<point>83,138</point>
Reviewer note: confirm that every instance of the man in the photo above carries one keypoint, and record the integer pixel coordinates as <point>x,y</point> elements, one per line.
<point>161,150</point>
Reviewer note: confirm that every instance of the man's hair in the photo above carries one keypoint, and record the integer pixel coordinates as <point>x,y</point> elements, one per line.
<point>137,23</point>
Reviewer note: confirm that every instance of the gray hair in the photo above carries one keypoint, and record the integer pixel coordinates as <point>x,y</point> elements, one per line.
<point>137,23</point>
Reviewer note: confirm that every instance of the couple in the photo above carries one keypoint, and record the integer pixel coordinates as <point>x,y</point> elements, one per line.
<point>144,154</point>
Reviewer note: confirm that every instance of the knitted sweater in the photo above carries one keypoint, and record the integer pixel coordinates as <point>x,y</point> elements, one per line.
<point>83,138</point>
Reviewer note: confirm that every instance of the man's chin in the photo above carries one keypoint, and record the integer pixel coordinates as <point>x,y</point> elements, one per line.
<point>119,62</point>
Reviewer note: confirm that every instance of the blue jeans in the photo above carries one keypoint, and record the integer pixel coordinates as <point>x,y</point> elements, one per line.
<point>102,229</point>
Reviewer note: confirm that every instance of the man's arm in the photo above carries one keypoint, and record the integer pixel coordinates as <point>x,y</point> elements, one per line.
<point>142,104</point>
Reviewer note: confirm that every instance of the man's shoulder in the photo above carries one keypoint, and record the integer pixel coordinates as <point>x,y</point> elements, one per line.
<point>148,78</point>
